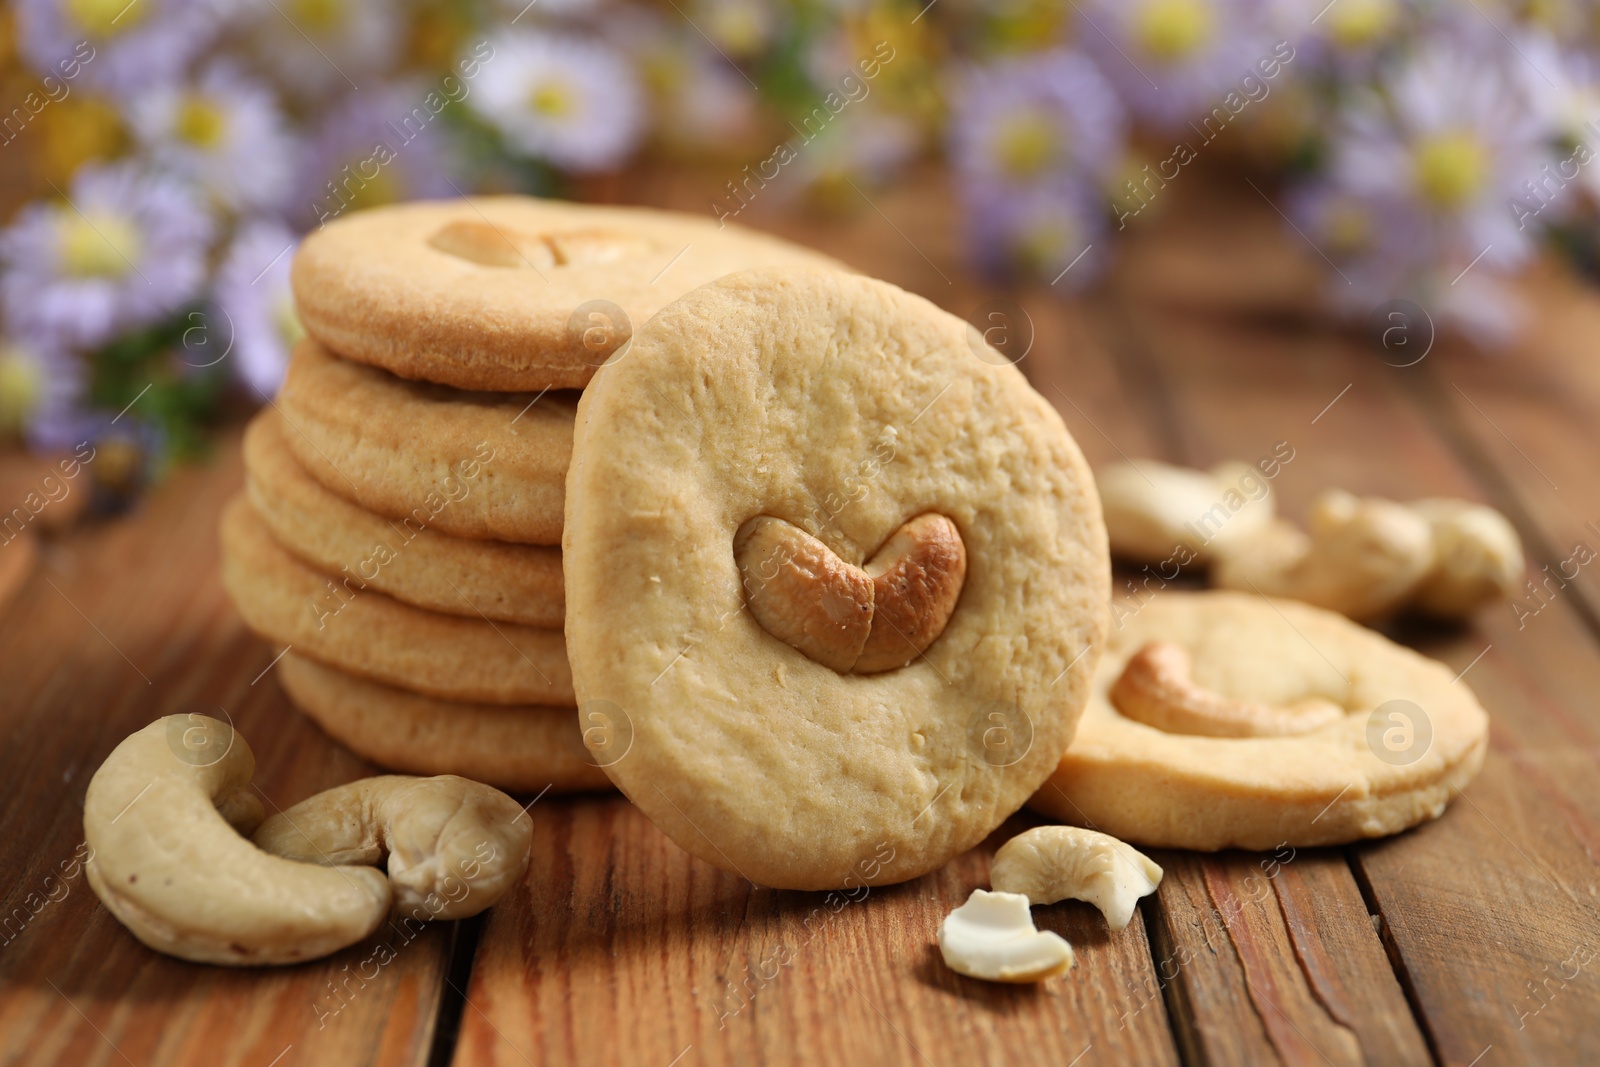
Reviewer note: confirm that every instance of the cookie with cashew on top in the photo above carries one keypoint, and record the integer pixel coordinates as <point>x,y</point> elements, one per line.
<point>166,817</point>
<point>843,580</point>
<point>509,293</point>
<point>1227,720</point>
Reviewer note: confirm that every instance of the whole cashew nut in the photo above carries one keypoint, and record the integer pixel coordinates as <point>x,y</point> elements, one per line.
<point>1477,558</point>
<point>1364,559</point>
<point>1051,863</point>
<point>1154,509</point>
<point>454,846</point>
<point>853,619</point>
<point>170,867</point>
<point>164,814</point>
<point>992,936</point>
<point>1155,688</point>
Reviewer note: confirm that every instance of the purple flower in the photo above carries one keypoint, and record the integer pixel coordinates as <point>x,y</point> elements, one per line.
<point>120,45</point>
<point>128,247</point>
<point>40,390</point>
<point>253,298</point>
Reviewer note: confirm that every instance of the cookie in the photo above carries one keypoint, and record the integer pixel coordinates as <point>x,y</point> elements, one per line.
<point>1227,720</point>
<point>364,632</point>
<point>482,466</point>
<point>509,292</point>
<point>506,582</point>
<point>520,748</point>
<point>797,717</point>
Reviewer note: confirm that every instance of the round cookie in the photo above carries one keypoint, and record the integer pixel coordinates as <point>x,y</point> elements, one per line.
<point>503,581</point>
<point>843,419</point>
<point>482,466</point>
<point>520,748</point>
<point>1402,739</point>
<point>366,633</point>
<point>509,292</point>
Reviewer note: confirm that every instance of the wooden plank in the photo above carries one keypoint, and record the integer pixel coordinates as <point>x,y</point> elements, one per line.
<point>1476,905</point>
<point>126,622</point>
<point>619,924</point>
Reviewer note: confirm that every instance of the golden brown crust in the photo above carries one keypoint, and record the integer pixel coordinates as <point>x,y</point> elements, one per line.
<point>366,633</point>
<point>522,748</point>
<point>480,466</point>
<point>422,567</point>
<point>481,293</point>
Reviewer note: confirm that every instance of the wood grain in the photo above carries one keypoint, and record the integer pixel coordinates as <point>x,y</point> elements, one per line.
<point>124,623</point>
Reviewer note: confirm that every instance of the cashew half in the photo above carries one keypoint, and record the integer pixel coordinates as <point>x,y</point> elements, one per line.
<point>1364,559</point>
<point>483,242</point>
<point>1051,863</point>
<point>454,846</point>
<point>853,619</point>
<point>169,866</point>
<point>992,936</point>
<point>1477,558</point>
<point>1154,509</point>
<point>1156,688</point>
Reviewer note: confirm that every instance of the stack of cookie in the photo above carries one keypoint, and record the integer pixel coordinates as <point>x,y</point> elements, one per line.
<point>401,525</point>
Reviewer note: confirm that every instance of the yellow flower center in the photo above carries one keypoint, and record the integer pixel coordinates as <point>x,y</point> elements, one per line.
<point>287,322</point>
<point>1358,23</point>
<point>1450,169</point>
<point>375,191</point>
<point>104,19</point>
<point>552,99</point>
<point>101,245</point>
<point>1046,247</point>
<point>201,123</point>
<point>1347,227</point>
<point>20,387</point>
<point>1171,30</point>
<point>75,131</point>
<point>1025,144</point>
<point>317,16</point>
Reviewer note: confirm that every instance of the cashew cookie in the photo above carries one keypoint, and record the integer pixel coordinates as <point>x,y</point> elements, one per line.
<point>1224,720</point>
<point>410,562</point>
<point>844,579</point>
<point>509,292</point>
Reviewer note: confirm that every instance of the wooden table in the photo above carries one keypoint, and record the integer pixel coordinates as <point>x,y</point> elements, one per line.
<point>1473,940</point>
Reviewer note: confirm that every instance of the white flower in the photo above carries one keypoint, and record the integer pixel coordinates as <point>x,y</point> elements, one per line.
<point>121,44</point>
<point>321,46</point>
<point>128,247</point>
<point>567,100</point>
<point>253,298</point>
<point>223,132</point>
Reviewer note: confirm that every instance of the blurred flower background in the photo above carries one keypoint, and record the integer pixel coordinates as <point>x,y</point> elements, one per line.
<point>167,154</point>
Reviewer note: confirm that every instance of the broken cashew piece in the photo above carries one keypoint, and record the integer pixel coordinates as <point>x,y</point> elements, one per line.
<point>1477,558</point>
<point>1365,557</point>
<point>1157,689</point>
<point>1154,510</point>
<point>992,936</point>
<point>454,846</point>
<point>1051,863</point>
<point>167,863</point>
<point>853,619</point>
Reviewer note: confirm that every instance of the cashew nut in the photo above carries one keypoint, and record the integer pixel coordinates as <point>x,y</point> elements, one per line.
<point>992,936</point>
<point>502,246</point>
<point>1155,688</point>
<point>170,867</point>
<point>1477,558</point>
<point>164,814</point>
<point>860,619</point>
<point>455,846</point>
<point>1153,509</point>
<point>1051,863</point>
<point>1365,557</point>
